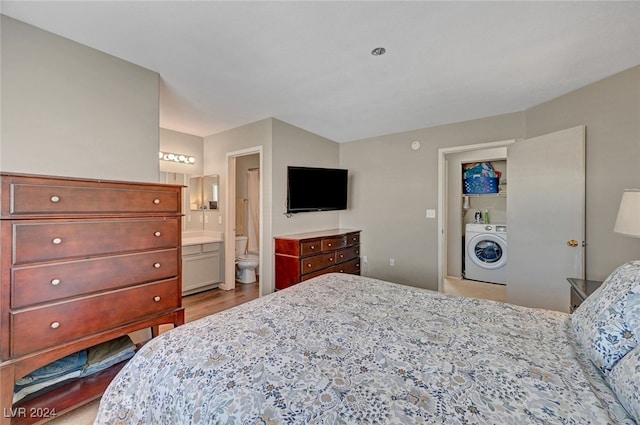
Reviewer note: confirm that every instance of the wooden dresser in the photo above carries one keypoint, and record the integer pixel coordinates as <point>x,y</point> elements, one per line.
<point>82,262</point>
<point>305,255</point>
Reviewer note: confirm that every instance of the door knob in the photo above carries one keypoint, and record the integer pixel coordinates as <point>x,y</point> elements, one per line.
<point>572,243</point>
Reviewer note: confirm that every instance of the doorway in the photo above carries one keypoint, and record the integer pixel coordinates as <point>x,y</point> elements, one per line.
<point>546,179</point>
<point>236,192</point>
<point>450,201</point>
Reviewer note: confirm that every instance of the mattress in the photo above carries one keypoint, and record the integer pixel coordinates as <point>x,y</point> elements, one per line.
<point>345,349</point>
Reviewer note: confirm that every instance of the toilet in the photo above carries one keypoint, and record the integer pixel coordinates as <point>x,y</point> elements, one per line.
<point>245,264</point>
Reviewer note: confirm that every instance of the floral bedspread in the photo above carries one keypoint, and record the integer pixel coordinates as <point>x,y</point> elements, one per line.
<point>344,349</point>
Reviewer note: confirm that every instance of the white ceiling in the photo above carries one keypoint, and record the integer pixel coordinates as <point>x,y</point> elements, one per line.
<point>226,64</point>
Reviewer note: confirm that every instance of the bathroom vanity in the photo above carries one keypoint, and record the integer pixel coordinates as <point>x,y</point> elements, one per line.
<point>202,254</point>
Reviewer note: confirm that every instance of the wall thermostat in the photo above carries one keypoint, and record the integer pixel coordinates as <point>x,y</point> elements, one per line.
<point>415,145</point>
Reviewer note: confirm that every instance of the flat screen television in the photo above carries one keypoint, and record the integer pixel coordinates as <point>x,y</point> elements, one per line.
<point>316,189</point>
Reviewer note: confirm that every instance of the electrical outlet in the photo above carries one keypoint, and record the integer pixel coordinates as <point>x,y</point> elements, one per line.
<point>392,262</point>
<point>219,219</point>
<point>364,258</point>
<point>431,214</point>
<point>206,219</point>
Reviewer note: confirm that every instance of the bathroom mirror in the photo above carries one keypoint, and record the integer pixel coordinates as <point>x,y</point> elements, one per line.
<point>210,191</point>
<point>203,192</point>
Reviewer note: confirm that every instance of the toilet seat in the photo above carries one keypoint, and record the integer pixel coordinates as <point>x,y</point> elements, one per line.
<point>248,257</point>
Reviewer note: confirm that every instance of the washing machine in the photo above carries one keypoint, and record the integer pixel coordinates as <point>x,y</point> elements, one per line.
<point>486,252</point>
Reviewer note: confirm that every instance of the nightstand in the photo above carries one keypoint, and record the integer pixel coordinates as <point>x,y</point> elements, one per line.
<point>580,290</point>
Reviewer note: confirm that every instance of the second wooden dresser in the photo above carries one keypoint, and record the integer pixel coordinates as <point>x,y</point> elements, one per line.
<point>302,256</point>
<point>83,262</point>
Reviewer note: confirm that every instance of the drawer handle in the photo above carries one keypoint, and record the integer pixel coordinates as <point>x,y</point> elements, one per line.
<point>55,325</point>
<point>341,256</point>
<point>156,265</point>
<point>156,298</point>
<point>329,245</point>
<point>330,258</point>
<point>157,234</point>
<point>156,201</point>
<point>55,282</point>
<point>57,241</point>
<point>309,265</point>
<point>55,199</point>
<point>313,247</point>
<point>357,251</point>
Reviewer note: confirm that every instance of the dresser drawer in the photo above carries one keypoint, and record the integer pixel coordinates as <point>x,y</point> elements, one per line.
<point>77,200</point>
<point>351,267</point>
<point>348,253</point>
<point>51,282</point>
<point>310,247</point>
<point>317,262</point>
<point>353,238</point>
<point>38,328</point>
<point>331,244</point>
<point>44,241</point>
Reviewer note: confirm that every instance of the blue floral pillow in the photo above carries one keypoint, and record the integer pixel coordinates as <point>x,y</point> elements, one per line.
<point>603,323</point>
<point>624,380</point>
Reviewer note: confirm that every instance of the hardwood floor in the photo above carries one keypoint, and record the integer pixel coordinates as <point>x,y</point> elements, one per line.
<point>209,302</point>
<point>196,306</point>
<point>215,300</point>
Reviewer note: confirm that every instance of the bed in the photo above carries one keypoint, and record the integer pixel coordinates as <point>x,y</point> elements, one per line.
<point>345,349</point>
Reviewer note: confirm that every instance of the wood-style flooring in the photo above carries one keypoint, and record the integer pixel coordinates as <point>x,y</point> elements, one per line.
<point>209,302</point>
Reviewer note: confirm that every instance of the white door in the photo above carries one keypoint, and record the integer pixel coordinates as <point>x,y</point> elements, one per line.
<point>545,218</point>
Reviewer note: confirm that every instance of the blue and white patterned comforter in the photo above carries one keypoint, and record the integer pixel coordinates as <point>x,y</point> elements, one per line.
<point>344,349</point>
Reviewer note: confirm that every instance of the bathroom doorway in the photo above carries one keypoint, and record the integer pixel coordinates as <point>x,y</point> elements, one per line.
<point>244,206</point>
<point>247,218</point>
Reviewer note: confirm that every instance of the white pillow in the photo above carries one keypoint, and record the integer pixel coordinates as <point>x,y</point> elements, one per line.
<point>624,380</point>
<point>603,328</point>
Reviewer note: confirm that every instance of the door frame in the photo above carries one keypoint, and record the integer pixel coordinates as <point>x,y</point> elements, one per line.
<point>443,190</point>
<point>230,214</point>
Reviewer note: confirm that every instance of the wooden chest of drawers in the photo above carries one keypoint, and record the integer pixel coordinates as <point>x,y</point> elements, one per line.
<point>305,255</point>
<point>82,262</point>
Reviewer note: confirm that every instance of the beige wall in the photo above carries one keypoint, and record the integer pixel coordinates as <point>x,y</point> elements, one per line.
<point>392,186</point>
<point>187,144</point>
<point>216,150</point>
<point>70,110</point>
<point>610,110</point>
<point>282,144</point>
<point>298,147</point>
<point>190,145</point>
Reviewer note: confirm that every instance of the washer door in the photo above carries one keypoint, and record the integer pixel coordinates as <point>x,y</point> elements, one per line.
<point>487,251</point>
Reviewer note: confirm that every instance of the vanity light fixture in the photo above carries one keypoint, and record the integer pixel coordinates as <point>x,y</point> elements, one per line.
<point>177,157</point>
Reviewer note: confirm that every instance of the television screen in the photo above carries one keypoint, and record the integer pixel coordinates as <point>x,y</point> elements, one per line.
<point>316,189</point>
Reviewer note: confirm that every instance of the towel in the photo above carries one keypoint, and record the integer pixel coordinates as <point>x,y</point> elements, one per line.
<point>63,369</point>
<point>105,355</point>
<point>70,363</point>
